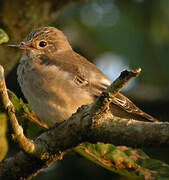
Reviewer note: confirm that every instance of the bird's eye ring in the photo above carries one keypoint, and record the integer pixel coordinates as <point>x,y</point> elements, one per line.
<point>42,43</point>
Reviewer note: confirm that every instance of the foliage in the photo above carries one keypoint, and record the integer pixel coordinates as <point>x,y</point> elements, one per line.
<point>3,36</point>
<point>133,163</point>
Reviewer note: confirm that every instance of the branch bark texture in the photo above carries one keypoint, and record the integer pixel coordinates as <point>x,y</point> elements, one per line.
<point>23,142</point>
<point>92,124</point>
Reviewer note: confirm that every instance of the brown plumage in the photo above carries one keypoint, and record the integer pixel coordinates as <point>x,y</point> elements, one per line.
<point>56,80</point>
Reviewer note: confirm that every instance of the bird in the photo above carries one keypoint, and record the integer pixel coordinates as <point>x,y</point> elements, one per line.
<point>56,80</point>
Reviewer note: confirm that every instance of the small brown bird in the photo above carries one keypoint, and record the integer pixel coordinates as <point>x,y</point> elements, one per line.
<point>56,80</point>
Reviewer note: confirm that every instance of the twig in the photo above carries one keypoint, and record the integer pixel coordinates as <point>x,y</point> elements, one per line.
<point>101,105</point>
<point>122,80</point>
<point>23,142</point>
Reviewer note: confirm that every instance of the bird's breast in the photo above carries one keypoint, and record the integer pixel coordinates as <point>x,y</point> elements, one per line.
<point>51,92</point>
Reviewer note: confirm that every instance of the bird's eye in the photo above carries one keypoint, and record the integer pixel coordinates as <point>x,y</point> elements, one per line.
<point>42,43</point>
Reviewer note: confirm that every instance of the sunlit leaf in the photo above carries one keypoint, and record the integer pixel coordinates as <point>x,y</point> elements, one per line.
<point>133,163</point>
<point>3,37</point>
<point>26,117</point>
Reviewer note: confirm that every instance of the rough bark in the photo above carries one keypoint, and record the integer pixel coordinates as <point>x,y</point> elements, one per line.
<point>92,123</point>
<point>52,144</point>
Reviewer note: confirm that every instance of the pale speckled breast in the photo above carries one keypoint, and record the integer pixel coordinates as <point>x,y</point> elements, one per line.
<point>50,91</point>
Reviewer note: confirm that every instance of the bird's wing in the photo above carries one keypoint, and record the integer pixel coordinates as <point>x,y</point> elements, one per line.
<point>87,76</point>
<point>96,82</point>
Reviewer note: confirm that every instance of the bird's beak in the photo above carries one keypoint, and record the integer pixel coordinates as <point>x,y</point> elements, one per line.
<point>20,45</point>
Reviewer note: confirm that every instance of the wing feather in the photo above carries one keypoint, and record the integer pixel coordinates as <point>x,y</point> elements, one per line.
<point>87,76</point>
<point>98,82</point>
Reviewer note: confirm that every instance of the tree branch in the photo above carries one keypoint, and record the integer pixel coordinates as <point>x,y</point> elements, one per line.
<point>81,127</point>
<point>23,142</point>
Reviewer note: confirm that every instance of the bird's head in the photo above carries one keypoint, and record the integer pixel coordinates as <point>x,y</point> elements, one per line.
<point>45,40</point>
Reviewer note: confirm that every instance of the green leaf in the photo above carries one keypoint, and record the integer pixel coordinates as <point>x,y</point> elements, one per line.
<point>109,157</point>
<point>3,36</point>
<point>25,117</point>
<point>133,163</point>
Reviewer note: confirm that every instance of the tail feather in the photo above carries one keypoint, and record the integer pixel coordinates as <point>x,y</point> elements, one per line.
<point>131,109</point>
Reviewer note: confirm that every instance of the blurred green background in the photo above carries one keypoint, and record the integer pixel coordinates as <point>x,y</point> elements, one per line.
<point>113,34</point>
